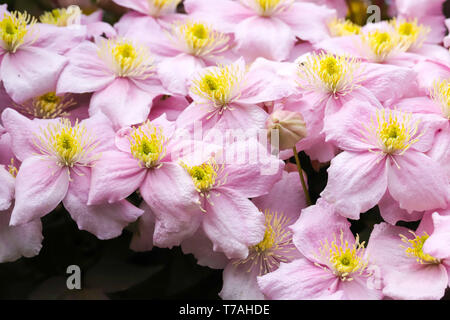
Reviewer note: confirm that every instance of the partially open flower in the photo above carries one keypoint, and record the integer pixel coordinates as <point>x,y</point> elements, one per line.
<point>290,126</point>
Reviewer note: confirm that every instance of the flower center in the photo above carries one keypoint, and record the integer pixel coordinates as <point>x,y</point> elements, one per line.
<point>441,94</point>
<point>199,39</point>
<point>12,169</point>
<point>204,176</point>
<point>47,106</point>
<point>69,145</point>
<point>342,27</point>
<point>219,85</point>
<point>343,259</point>
<point>62,17</point>
<point>13,29</point>
<point>328,73</point>
<point>126,59</point>
<point>415,249</point>
<point>147,144</point>
<point>411,33</point>
<point>382,44</point>
<point>156,7</point>
<point>276,247</point>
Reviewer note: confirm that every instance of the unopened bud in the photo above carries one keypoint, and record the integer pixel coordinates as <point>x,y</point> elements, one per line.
<point>290,125</point>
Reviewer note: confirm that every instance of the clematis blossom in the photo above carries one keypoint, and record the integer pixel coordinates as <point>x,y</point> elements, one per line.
<point>56,166</point>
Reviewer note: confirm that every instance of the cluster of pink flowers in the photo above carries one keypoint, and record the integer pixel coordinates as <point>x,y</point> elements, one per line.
<point>92,114</point>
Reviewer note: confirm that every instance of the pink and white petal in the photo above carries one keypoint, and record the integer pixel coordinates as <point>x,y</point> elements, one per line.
<point>428,126</point>
<point>59,39</point>
<point>233,223</point>
<point>434,52</point>
<point>115,176</point>
<point>100,128</point>
<point>429,72</point>
<point>202,248</point>
<point>358,289</point>
<point>143,234</point>
<point>176,72</point>
<point>85,72</point>
<point>99,28</point>
<point>438,244</point>
<point>356,182</point>
<point>40,186</point>
<point>171,194</point>
<point>20,241</point>
<point>316,224</point>
<point>392,213</point>
<point>417,183</point>
<point>239,283</point>
<point>239,116</point>
<point>222,14</point>
<point>298,280</point>
<point>122,102</point>
<point>250,170</point>
<point>172,106</point>
<point>347,45</point>
<point>22,132</point>
<point>262,37</point>
<point>308,21</point>
<point>7,183</point>
<point>441,150</point>
<point>30,72</point>
<point>286,196</point>
<point>137,5</point>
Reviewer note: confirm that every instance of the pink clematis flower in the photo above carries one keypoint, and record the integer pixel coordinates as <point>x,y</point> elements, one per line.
<point>384,151</point>
<point>121,74</point>
<point>146,158</point>
<point>265,28</point>
<point>281,209</point>
<point>29,61</point>
<point>335,264</point>
<point>414,265</point>
<point>56,159</point>
<point>227,97</point>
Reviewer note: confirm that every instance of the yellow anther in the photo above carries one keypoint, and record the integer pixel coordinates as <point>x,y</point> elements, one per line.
<point>415,249</point>
<point>342,27</point>
<point>147,144</point>
<point>441,94</point>
<point>13,28</point>
<point>62,17</point>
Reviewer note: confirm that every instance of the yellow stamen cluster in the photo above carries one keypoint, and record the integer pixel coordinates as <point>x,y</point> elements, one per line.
<point>343,258</point>
<point>69,145</point>
<point>48,106</point>
<point>276,246</point>
<point>395,131</point>
<point>269,7</point>
<point>415,249</point>
<point>219,85</point>
<point>13,28</point>
<point>329,73</point>
<point>157,7</point>
<point>342,27</point>
<point>411,33</point>
<point>62,17</point>
<point>441,94</point>
<point>204,176</point>
<point>126,59</point>
<point>199,39</point>
<point>147,144</point>
<point>12,168</point>
<point>382,44</point>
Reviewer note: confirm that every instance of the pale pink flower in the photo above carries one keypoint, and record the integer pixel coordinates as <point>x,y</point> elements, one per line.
<point>414,265</point>
<point>29,59</point>
<point>120,72</point>
<point>384,150</point>
<point>56,166</point>
<point>262,28</point>
<point>334,264</point>
<point>281,208</point>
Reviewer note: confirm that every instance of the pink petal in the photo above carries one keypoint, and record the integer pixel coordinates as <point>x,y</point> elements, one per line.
<point>171,194</point>
<point>138,5</point>
<point>418,183</point>
<point>269,38</point>
<point>115,176</point>
<point>392,213</point>
<point>59,39</point>
<point>356,182</point>
<point>30,72</point>
<point>86,72</point>
<point>298,280</point>
<point>7,183</point>
<point>40,186</point>
<point>233,223</point>
<point>100,129</point>
<point>20,241</point>
<point>172,106</point>
<point>202,249</point>
<point>437,245</point>
<point>240,284</point>
<point>105,221</point>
